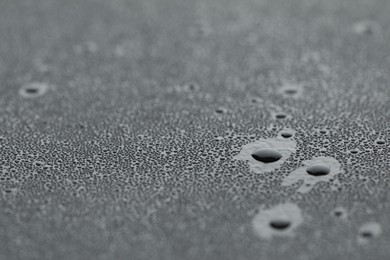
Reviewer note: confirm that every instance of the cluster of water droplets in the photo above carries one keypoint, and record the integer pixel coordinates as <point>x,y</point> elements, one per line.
<point>267,157</point>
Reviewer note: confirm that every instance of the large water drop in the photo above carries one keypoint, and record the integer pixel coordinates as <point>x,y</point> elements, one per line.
<point>266,155</point>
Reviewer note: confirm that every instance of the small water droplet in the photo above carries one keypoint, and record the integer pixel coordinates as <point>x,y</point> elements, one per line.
<point>221,110</point>
<point>290,91</point>
<point>280,116</point>
<point>256,100</point>
<point>192,86</point>
<point>286,135</point>
<point>32,90</point>
<point>340,212</point>
<point>266,155</point>
<point>366,234</point>
<point>38,163</point>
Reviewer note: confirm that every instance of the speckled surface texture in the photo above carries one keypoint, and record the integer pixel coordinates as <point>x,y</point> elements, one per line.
<point>121,121</point>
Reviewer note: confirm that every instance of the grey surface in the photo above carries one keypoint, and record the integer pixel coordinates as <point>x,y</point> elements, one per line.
<point>126,135</point>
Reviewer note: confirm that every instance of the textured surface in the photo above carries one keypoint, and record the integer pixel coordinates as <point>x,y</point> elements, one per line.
<point>120,121</point>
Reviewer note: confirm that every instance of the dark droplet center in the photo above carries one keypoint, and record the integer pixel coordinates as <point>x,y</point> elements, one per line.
<point>290,91</point>
<point>286,135</point>
<point>281,116</point>
<point>280,224</point>
<point>366,234</point>
<point>31,90</point>
<point>318,170</point>
<point>266,155</point>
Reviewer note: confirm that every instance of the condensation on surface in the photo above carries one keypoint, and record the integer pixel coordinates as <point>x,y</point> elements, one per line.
<point>308,181</point>
<point>287,213</point>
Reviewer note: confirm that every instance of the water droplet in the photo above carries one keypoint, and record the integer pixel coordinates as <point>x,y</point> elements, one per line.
<point>267,155</point>
<point>280,116</point>
<point>318,167</point>
<point>290,90</point>
<point>367,234</point>
<point>38,163</point>
<point>280,224</point>
<point>32,90</point>
<point>318,170</point>
<point>285,147</point>
<point>369,231</point>
<point>281,220</point>
<point>286,135</point>
<point>192,86</point>
<point>339,212</point>
<point>221,110</point>
<point>256,100</point>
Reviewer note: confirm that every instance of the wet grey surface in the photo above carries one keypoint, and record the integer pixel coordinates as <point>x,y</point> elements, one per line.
<point>121,120</point>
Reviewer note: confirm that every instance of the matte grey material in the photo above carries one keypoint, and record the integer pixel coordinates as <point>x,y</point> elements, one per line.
<point>120,121</point>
